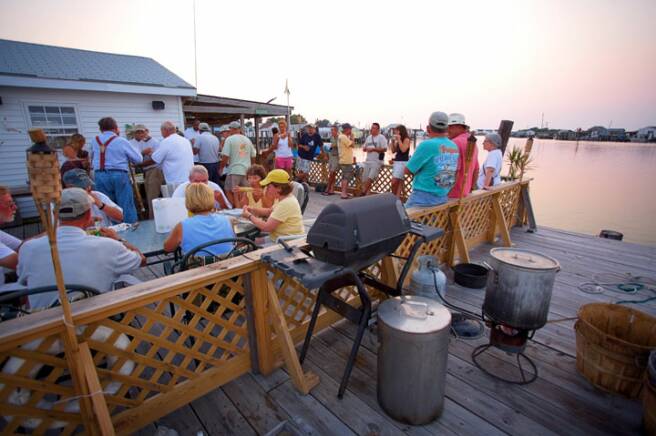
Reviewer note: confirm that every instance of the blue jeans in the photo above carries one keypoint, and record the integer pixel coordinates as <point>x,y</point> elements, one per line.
<point>116,185</point>
<point>424,199</point>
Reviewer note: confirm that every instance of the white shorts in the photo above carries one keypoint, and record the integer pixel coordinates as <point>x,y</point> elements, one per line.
<point>303,165</point>
<point>398,169</point>
<point>371,170</point>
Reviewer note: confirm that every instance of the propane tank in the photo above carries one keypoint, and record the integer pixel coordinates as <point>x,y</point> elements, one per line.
<point>425,278</point>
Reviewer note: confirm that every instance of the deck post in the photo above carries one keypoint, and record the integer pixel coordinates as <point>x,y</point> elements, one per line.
<point>257,134</point>
<point>259,285</point>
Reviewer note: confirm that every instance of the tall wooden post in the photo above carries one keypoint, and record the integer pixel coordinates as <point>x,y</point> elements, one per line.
<point>505,129</point>
<point>257,134</point>
<point>45,184</point>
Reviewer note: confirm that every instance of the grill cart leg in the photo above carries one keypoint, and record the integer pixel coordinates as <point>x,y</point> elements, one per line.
<point>313,322</point>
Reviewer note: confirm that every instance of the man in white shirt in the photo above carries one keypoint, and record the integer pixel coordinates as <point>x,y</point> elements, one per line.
<point>174,155</point>
<point>198,174</point>
<point>103,210</point>
<point>376,146</point>
<point>153,176</point>
<point>9,244</point>
<point>192,133</point>
<point>207,147</point>
<point>93,261</point>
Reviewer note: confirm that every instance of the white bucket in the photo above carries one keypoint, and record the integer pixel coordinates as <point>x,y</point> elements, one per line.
<point>168,212</point>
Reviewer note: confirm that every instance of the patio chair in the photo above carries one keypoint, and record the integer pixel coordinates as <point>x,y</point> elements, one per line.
<point>195,258</point>
<point>302,193</point>
<point>14,304</point>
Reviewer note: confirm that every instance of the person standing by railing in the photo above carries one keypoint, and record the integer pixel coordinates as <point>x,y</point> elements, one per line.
<point>491,174</point>
<point>433,165</point>
<point>458,132</point>
<point>282,145</point>
<point>307,149</point>
<point>400,145</point>
<point>153,176</point>
<point>345,144</point>
<point>333,160</point>
<point>376,146</point>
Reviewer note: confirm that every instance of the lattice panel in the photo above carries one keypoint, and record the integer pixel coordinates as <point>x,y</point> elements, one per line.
<point>509,200</point>
<point>34,386</point>
<point>437,248</point>
<point>383,183</point>
<point>474,217</point>
<point>152,350</point>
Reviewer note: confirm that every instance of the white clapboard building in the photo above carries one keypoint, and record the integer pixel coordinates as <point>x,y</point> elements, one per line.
<point>67,91</point>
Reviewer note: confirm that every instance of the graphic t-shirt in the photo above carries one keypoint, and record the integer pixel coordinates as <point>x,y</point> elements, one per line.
<point>313,141</point>
<point>434,166</point>
<point>239,150</point>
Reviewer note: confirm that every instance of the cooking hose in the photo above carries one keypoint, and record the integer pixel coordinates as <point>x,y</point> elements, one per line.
<point>626,284</point>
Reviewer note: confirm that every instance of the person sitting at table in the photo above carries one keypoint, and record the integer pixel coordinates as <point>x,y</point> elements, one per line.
<point>199,174</point>
<point>103,210</point>
<point>96,262</point>
<point>9,244</point>
<point>285,217</point>
<point>203,226</point>
<point>253,195</point>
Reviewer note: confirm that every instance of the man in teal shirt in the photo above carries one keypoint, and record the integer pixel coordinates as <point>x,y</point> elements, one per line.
<point>433,165</point>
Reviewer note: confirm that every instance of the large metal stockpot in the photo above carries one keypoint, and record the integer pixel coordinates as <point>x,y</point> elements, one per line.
<point>414,341</point>
<point>519,290</point>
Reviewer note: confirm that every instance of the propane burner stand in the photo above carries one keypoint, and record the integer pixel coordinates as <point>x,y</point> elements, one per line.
<point>512,341</point>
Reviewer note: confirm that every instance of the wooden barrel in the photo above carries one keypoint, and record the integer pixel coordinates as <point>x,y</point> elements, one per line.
<point>612,346</point>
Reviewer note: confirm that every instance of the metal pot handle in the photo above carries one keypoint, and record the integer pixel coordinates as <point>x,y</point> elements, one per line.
<point>413,312</point>
<point>492,270</point>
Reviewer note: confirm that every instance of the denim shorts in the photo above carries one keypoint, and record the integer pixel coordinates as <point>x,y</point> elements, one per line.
<point>424,199</point>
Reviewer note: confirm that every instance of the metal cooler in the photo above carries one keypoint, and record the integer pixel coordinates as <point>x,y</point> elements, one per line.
<point>414,340</point>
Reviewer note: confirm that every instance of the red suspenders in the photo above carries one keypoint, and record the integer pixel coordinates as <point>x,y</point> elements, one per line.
<point>103,147</point>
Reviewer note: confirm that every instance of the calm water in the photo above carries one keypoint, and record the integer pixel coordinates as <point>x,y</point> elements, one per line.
<point>593,186</point>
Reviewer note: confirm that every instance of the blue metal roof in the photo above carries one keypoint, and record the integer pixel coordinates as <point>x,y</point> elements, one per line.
<point>50,62</point>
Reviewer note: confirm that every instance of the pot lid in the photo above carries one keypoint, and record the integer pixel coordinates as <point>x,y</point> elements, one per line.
<point>524,258</point>
<point>413,314</point>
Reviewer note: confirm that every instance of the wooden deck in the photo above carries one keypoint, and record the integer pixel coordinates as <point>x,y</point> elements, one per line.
<point>559,402</point>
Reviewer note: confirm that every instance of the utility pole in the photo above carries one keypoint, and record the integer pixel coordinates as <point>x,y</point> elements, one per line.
<point>289,116</point>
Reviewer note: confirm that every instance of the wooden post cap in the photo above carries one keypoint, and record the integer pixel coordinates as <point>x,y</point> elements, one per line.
<point>37,135</point>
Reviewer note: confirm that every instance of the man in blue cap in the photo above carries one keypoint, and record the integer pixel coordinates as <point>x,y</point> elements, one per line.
<point>103,210</point>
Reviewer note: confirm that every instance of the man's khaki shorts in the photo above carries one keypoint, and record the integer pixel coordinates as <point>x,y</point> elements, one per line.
<point>347,171</point>
<point>371,170</point>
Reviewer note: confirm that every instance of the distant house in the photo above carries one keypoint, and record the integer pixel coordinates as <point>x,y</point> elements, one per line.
<point>566,135</point>
<point>646,134</point>
<point>618,135</point>
<point>597,133</point>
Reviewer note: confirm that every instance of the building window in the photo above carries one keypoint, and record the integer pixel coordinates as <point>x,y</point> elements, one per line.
<point>58,122</point>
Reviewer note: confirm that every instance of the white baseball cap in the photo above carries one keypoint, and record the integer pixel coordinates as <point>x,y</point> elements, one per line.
<point>457,119</point>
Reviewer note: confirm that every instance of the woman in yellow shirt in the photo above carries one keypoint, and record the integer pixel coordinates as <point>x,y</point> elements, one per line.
<point>285,217</point>
<point>253,196</point>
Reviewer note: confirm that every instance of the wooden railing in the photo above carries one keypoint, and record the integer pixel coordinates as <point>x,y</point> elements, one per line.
<point>161,344</point>
<point>383,183</point>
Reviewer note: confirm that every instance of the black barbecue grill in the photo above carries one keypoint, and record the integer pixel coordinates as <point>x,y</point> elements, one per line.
<point>347,238</point>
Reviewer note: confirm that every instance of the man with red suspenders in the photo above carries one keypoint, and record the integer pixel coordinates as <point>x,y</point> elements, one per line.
<point>111,158</point>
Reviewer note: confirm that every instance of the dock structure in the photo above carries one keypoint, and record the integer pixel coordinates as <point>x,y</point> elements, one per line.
<point>196,352</point>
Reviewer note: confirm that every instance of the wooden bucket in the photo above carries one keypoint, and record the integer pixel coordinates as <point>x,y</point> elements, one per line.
<point>612,346</point>
<point>649,408</point>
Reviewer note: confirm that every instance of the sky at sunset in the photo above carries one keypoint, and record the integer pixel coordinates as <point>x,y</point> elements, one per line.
<point>580,62</point>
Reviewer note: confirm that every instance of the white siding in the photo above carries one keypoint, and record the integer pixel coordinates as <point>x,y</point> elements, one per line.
<point>90,106</point>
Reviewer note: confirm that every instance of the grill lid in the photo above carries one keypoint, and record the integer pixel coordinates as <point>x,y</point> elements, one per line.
<point>354,224</point>
<point>524,258</point>
<point>413,314</point>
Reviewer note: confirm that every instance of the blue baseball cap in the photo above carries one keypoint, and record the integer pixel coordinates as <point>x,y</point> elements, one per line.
<point>77,178</point>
